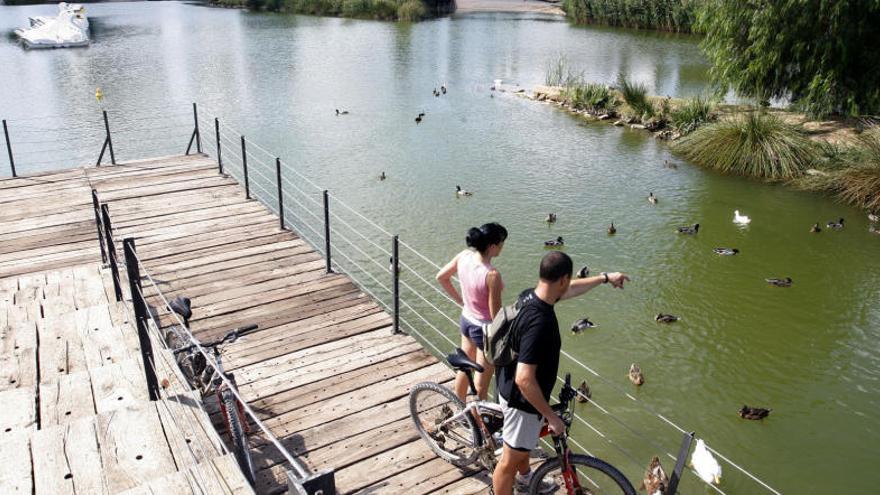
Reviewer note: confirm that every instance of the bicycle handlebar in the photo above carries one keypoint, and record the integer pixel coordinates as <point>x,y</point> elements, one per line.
<point>232,336</point>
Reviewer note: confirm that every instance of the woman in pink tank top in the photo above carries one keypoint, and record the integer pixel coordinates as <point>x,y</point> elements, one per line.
<point>480,297</point>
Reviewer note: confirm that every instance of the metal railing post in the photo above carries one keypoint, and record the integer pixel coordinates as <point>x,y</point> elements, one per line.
<point>9,149</point>
<point>109,139</point>
<point>679,463</point>
<point>327,230</point>
<point>196,135</point>
<point>247,183</point>
<point>217,132</point>
<point>97,206</point>
<point>111,250</point>
<point>395,284</point>
<point>280,197</point>
<point>140,315</point>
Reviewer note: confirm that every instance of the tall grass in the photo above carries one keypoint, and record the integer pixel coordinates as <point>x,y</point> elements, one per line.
<point>635,95</point>
<point>860,183</point>
<point>754,144</point>
<point>404,10</point>
<point>589,96</point>
<point>560,73</point>
<point>691,114</point>
<point>665,15</point>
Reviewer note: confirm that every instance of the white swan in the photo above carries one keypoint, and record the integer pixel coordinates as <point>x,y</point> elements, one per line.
<point>741,219</point>
<point>704,464</point>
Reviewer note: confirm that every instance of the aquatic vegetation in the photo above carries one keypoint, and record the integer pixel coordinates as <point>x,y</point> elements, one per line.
<point>754,144</point>
<point>389,10</point>
<point>635,95</point>
<point>669,15</point>
<point>560,73</point>
<point>692,113</point>
<point>589,96</point>
<point>412,10</point>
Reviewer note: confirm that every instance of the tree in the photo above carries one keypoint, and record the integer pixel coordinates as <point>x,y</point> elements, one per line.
<point>823,55</point>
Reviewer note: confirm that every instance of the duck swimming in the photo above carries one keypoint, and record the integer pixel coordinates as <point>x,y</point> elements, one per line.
<point>382,176</point>
<point>689,230</point>
<point>584,394</point>
<point>704,464</point>
<point>656,482</point>
<point>835,225</point>
<point>754,413</point>
<point>665,318</point>
<point>612,229</point>
<point>584,272</point>
<point>461,192</point>
<point>669,165</point>
<point>558,242</point>
<point>740,219</point>
<point>815,228</point>
<point>780,282</point>
<point>338,113</point>
<point>581,325</point>
<point>419,119</point>
<point>551,218</point>
<point>635,375</point>
<point>443,89</point>
<point>723,251</point>
<point>652,199</point>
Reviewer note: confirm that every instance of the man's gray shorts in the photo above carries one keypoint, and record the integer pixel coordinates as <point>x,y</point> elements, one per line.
<point>521,429</point>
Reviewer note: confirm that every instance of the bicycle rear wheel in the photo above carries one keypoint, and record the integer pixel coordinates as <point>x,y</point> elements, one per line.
<point>432,406</point>
<point>595,477</point>
<point>235,425</point>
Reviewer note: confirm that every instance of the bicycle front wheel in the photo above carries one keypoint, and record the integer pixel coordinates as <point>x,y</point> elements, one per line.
<point>591,477</point>
<point>442,422</point>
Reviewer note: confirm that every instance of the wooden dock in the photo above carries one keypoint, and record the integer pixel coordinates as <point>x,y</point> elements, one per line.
<point>324,371</point>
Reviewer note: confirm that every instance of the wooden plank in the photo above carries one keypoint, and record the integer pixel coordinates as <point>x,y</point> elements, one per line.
<point>19,411</point>
<point>67,459</point>
<point>133,447</point>
<point>394,461</point>
<point>102,343</point>
<point>433,475</point>
<point>119,385</point>
<point>15,462</point>
<point>18,368</point>
<point>61,349</point>
<point>66,399</point>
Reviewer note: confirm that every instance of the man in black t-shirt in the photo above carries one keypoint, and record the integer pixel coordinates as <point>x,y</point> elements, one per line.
<point>525,385</point>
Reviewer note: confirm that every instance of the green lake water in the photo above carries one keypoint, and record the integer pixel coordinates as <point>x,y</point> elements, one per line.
<point>809,352</point>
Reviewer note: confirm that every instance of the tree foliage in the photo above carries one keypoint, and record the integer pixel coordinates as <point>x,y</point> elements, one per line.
<point>823,55</point>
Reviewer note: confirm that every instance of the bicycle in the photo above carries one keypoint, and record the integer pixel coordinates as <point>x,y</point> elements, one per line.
<point>205,378</point>
<point>464,433</point>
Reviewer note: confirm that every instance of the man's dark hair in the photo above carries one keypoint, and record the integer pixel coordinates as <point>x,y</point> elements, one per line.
<point>554,266</point>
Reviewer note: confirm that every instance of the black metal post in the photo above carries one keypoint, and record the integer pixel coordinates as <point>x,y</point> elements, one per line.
<point>327,230</point>
<point>140,315</point>
<point>109,139</point>
<point>247,183</point>
<point>196,136</point>
<point>217,132</point>
<point>280,197</point>
<point>97,206</point>
<point>679,463</point>
<point>9,149</point>
<point>395,284</point>
<point>111,251</point>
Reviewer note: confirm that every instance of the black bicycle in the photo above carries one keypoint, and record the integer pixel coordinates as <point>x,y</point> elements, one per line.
<point>462,434</point>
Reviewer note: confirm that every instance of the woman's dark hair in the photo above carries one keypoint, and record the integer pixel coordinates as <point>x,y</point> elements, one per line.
<point>486,235</point>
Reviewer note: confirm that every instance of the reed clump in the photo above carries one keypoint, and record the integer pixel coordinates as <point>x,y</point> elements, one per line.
<point>635,96</point>
<point>691,114</point>
<point>591,97</point>
<point>664,15</point>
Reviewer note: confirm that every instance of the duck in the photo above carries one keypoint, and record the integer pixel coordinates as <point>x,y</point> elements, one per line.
<point>343,112</point>
<point>435,92</point>
<point>815,229</point>
<point>705,464</point>
<point>419,119</point>
<point>656,482</point>
<point>669,165</point>
<point>581,325</point>
<point>443,89</point>
<point>780,282</point>
<point>835,225</point>
<point>873,217</point>
<point>551,218</point>
<point>421,114</point>
<point>584,393</point>
<point>753,412</point>
<point>612,229</point>
<point>391,265</point>
<point>723,251</point>
<point>635,375</point>
<point>740,219</point>
<point>584,272</point>
<point>558,242</point>
<point>382,176</point>
<point>461,192</point>
<point>689,230</point>
<point>652,199</point>
<point>666,318</point>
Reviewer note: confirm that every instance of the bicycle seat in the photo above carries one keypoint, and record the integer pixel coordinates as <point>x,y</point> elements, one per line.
<point>181,306</point>
<point>461,362</point>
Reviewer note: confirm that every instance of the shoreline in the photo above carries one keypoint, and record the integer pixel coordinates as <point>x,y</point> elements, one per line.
<point>515,6</point>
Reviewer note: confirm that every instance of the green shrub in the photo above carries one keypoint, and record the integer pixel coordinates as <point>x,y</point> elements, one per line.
<point>755,144</point>
<point>589,96</point>
<point>635,96</point>
<point>412,10</point>
<point>691,114</point>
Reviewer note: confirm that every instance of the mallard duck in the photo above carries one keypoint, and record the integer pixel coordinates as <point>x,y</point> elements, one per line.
<point>581,325</point>
<point>704,464</point>
<point>421,114</point>
<point>666,318</point>
<point>669,165</point>
<point>635,375</point>
<point>873,217</point>
<point>382,176</point>
<point>612,229</point>
<point>754,412</point>
<point>740,219</point>
<point>436,93</point>
<point>461,192</point>
<point>558,242</point>
<point>652,199</point>
<point>443,89</point>
<point>723,251</point>
<point>391,266</point>
<point>815,228</point>
<point>835,225</point>
<point>584,272</point>
<point>418,119</point>
<point>343,112</point>
<point>551,218</point>
<point>584,393</point>
<point>689,230</point>
<point>656,482</point>
<point>780,282</point>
